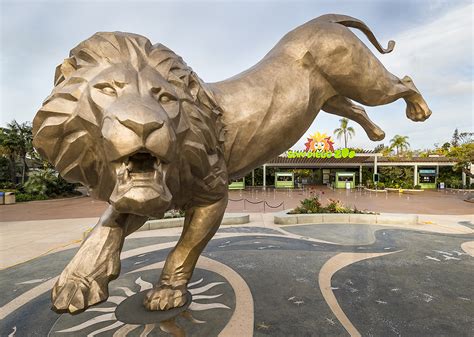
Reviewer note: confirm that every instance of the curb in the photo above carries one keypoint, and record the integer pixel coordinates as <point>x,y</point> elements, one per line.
<point>402,190</point>
<point>325,218</point>
<point>376,191</point>
<point>229,219</point>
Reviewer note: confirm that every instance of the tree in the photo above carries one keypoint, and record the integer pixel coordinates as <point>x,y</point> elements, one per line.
<point>455,139</point>
<point>24,146</point>
<point>344,130</point>
<point>9,149</point>
<point>399,143</point>
<point>466,137</point>
<point>16,143</point>
<point>464,155</point>
<point>379,148</point>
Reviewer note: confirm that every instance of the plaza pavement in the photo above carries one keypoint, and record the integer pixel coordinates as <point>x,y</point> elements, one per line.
<point>426,202</point>
<point>257,279</point>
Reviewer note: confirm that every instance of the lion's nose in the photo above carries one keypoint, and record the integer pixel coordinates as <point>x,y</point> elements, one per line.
<point>141,129</point>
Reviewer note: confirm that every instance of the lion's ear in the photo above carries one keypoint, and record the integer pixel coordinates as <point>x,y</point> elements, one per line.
<point>201,92</point>
<point>64,70</point>
<point>194,86</point>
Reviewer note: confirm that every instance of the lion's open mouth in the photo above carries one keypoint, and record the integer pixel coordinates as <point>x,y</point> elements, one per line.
<point>140,187</point>
<point>141,169</point>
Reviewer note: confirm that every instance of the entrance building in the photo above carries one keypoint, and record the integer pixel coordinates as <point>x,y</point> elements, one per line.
<point>359,169</point>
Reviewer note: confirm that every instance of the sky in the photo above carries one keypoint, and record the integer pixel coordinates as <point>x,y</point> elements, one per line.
<point>218,39</point>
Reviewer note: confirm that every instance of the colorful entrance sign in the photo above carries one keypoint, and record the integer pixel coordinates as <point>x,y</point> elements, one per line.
<point>320,145</point>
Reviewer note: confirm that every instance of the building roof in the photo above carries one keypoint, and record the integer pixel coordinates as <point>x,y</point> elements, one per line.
<point>359,159</point>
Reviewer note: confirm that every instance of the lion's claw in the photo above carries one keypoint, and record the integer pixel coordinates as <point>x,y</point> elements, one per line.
<point>165,298</point>
<point>76,295</point>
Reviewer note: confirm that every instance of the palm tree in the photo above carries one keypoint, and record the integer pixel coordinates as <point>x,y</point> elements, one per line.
<point>16,142</point>
<point>8,149</point>
<point>344,131</point>
<point>400,143</point>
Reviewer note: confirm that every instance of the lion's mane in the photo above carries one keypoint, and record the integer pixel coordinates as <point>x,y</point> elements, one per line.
<point>67,128</point>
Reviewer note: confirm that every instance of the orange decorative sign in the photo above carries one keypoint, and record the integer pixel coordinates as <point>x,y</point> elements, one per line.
<point>319,142</point>
<point>320,145</point>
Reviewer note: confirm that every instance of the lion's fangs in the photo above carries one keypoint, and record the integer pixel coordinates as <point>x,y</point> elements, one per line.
<point>130,171</point>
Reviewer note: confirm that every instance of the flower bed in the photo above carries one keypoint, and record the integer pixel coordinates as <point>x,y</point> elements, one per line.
<point>313,205</point>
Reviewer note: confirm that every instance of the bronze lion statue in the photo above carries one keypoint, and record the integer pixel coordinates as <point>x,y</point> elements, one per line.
<point>131,121</point>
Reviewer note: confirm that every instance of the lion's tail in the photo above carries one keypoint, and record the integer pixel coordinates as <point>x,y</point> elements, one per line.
<point>349,21</point>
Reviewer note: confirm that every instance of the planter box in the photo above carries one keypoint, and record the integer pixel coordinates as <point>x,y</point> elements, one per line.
<point>368,219</point>
<point>397,219</point>
<point>9,198</point>
<point>309,218</point>
<point>334,218</point>
<point>229,219</point>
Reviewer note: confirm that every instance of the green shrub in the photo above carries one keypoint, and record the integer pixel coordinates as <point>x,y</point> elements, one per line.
<point>48,183</point>
<point>22,197</point>
<point>309,205</point>
<point>40,182</point>
<point>7,185</point>
<point>336,206</point>
<point>417,187</point>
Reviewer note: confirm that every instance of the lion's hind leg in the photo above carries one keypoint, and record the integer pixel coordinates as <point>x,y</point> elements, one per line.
<point>342,106</point>
<point>84,282</point>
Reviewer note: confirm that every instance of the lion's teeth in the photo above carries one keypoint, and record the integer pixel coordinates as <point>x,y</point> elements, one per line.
<point>126,175</point>
<point>157,164</point>
<point>130,166</point>
<point>121,169</point>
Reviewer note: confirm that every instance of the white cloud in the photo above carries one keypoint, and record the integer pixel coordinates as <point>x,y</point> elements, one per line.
<point>439,54</point>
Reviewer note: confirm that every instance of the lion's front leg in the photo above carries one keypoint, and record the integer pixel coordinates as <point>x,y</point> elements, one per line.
<point>200,225</point>
<point>84,282</point>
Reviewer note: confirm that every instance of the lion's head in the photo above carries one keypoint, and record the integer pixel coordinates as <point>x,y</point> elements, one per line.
<point>131,121</point>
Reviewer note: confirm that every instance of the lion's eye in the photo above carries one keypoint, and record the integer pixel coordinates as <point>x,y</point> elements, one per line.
<point>106,89</point>
<point>165,98</point>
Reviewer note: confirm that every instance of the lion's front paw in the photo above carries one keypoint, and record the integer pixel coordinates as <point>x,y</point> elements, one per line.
<point>165,297</point>
<point>77,294</point>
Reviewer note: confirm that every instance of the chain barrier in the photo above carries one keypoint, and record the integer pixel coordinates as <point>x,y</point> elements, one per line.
<point>265,203</point>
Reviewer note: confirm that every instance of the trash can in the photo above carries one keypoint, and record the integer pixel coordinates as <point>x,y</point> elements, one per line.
<point>9,198</point>
<point>2,198</point>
